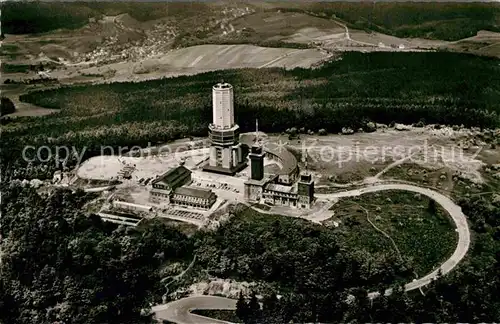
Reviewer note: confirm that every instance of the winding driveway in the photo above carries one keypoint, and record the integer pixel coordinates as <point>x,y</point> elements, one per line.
<point>179,310</point>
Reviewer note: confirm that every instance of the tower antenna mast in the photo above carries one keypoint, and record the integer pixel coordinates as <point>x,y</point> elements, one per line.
<point>304,159</point>
<point>256,130</point>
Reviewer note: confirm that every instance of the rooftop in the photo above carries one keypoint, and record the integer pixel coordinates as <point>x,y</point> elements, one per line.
<point>194,192</point>
<point>288,160</point>
<point>222,85</point>
<point>172,175</point>
<point>281,188</point>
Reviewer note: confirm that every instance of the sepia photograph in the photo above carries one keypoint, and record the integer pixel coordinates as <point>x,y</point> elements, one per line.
<point>256,162</point>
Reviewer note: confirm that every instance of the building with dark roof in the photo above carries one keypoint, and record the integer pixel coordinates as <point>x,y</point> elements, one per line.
<point>165,184</point>
<point>173,178</point>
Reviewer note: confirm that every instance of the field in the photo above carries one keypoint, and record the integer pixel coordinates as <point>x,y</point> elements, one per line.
<point>445,21</point>
<point>423,236</point>
<point>421,155</point>
<point>195,59</point>
<point>73,37</point>
<point>265,26</point>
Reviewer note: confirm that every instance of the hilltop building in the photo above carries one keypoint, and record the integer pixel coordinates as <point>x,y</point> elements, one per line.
<point>279,189</point>
<point>172,188</point>
<point>285,186</point>
<point>193,197</point>
<point>226,153</point>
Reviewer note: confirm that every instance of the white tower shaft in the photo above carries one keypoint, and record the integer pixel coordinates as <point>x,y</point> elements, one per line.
<point>223,105</point>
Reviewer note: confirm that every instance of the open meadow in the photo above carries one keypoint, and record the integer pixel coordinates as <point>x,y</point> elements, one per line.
<point>408,225</point>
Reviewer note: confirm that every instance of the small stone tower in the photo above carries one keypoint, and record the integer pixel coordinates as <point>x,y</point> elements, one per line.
<point>305,187</point>
<point>256,162</point>
<point>256,157</point>
<point>305,190</point>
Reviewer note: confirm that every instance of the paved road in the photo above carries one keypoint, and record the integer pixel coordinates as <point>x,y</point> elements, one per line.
<point>178,311</point>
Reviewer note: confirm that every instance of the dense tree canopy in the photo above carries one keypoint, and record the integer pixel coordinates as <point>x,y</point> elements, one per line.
<point>6,106</point>
<point>59,265</point>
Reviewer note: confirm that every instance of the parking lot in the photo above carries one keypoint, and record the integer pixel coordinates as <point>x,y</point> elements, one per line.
<point>212,185</point>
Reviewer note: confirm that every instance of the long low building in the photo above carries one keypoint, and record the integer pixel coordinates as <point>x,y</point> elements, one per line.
<point>123,205</point>
<point>193,197</point>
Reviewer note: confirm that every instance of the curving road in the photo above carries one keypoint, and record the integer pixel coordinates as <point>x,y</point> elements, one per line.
<point>454,211</point>
<point>179,311</point>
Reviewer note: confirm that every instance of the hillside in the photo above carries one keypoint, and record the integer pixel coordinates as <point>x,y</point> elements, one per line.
<point>444,21</point>
<point>73,35</point>
<point>433,20</point>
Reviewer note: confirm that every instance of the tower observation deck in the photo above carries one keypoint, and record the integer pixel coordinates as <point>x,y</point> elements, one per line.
<point>226,154</point>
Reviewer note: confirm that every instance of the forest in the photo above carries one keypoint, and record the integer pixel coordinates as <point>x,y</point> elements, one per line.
<point>445,88</point>
<point>59,264</point>
<point>351,91</point>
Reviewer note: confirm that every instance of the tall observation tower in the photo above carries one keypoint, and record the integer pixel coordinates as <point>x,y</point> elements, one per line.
<point>226,154</point>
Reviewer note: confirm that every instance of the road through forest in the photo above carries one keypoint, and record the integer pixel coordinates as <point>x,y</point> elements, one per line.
<point>179,311</point>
